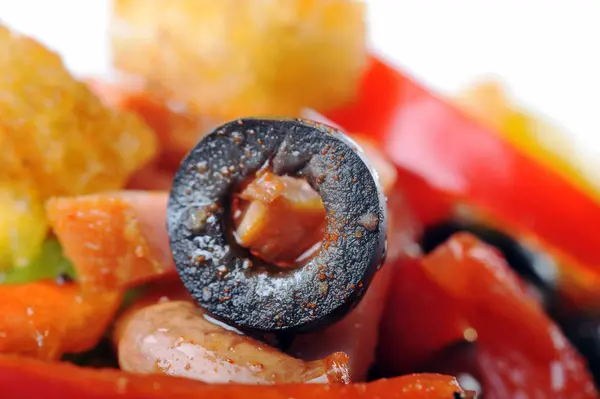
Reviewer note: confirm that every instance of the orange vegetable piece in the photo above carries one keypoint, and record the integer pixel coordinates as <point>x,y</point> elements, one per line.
<point>56,138</point>
<point>27,378</point>
<point>115,240</point>
<point>46,319</point>
<point>231,58</point>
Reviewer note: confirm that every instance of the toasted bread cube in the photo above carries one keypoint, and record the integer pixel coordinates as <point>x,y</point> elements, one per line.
<point>56,138</point>
<point>230,58</point>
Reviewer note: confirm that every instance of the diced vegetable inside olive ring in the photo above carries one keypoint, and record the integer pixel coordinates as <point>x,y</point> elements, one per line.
<point>241,289</point>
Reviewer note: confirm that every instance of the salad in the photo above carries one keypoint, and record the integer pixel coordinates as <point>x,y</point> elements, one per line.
<point>256,206</point>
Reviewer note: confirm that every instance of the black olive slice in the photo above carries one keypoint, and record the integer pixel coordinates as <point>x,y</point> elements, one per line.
<point>241,289</point>
<point>534,267</point>
<point>584,334</point>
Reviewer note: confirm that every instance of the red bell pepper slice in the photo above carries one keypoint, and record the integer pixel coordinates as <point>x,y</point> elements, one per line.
<point>28,378</point>
<point>431,138</point>
<point>464,284</point>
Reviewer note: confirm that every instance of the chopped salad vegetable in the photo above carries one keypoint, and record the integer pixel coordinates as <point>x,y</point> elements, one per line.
<point>281,252</point>
<point>50,263</point>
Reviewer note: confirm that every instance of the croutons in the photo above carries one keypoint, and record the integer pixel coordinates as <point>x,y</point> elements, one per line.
<point>56,138</point>
<point>232,58</point>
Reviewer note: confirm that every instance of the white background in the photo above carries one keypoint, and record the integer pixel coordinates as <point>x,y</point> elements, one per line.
<point>547,51</point>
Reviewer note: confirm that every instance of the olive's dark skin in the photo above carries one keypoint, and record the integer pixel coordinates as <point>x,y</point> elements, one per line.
<point>244,291</point>
<point>584,334</point>
<point>534,268</point>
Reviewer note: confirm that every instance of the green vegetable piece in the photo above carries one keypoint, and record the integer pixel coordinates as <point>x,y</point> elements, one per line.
<point>49,264</point>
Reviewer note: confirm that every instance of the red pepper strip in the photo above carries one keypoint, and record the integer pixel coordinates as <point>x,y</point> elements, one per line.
<point>520,351</point>
<point>431,138</point>
<point>27,378</point>
<point>416,309</point>
<point>45,319</point>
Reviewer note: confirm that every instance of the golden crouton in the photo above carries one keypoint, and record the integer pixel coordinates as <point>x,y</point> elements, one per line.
<point>230,58</point>
<point>56,138</point>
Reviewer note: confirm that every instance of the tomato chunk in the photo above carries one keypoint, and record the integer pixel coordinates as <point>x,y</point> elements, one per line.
<point>466,291</point>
